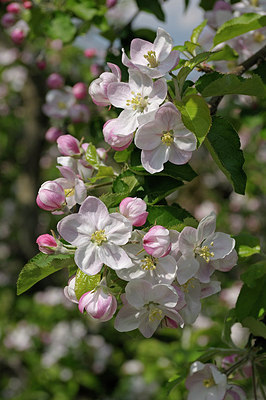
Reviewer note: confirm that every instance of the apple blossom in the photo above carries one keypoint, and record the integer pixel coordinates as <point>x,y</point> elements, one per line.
<point>79,166</point>
<point>58,103</point>
<point>27,4</point>
<point>200,244</point>
<point>98,303</point>
<point>47,244</point>
<point>222,12</point>
<point>235,393</point>
<point>134,209</point>
<point>17,35</point>
<point>79,90</point>
<point>98,236</point>
<point>139,98</point>
<point>79,113</point>
<point>98,87</point>
<point>8,20</point>
<point>111,130</point>
<point>55,81</point>
<point>53,134</point>
<point>157,242</point>
<point>154,59</point>
<point>145,306</point>
<point>165,139</point>
<point>69,290</point>
<point>90,53</point>
<point>205,382</point>
<point>68,145</point>
<point>51,196</point>
<point>13,8</point>
<point>75,189</point>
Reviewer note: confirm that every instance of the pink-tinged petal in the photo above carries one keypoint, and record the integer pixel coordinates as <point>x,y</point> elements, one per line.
<point>235,393</point>
<point>95,212</point>
<point>159,91</point>
<point>205,271</point>
<point>174,238</point>
<point>187,240</point>
<point>178,157</point>
<point>118,93</point>
<point>187,267</point>
<point>141,219</point>
<point>169,62</point>
<point>147,327</point>
<point>126,61</point>
<point>138,292</point>
<point>114,256</point>
<point>68,174</point>
<point>174,316</point>
<point>88,260</point>
<point>80,191</point>
<point>126,122</point>
<point>164,295</point>
<point>153,160</point>
<point>227,263</point>
<point>115,70</point>
<point>119,230</point>
<point>138,48</point>
<point>84,300</point>
<point>148,136</point>
<point>163,44</point>
<point>139,82</point>
<point>208,289</point>
<point>73,229</point>
<point>127,319</point>
<point>167,115</point>
<point>222,245</point>
<point>193,305</point>
<point>206,227</point>
<point>144,118</point>
<point>185,140</point>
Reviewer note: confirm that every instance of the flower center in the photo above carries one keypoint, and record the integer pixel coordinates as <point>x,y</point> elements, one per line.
<point>69,192</point>
<point>138,102</point>
<point>208,382</point>
<point>148,263</point>
<point>155,314</point>
<point>204,252</point>
<point>258,37</point>
<point>151,58</point>
<point>99,237</point>
<point>189,284</point>
<point>167,138</point>
<point>61,105</point>
<point>255,3</point>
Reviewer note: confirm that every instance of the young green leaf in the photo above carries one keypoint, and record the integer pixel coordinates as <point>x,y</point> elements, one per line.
<point>197,31</point>
<point>253,273</point>
<point>91,156</point>
<point>251,300</point>
<point>85,283</point>
<point>41,266</point>
<point>257,328</point>
<point>224,145</point>
<point>61,27</point>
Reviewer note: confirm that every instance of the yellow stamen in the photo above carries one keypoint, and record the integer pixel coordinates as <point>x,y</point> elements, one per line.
<point>204,252</point>
<point>255,3</point>
<point>208,382</point>
<point>61,105</point>
<point>99,237</point>
<point>137,102</point>
<point>258,37</point>
<point>155,314</point>
<point>151,58</point>
<point>167,138</point>
<point>69,192</point>
<point>148,263</point>
<point>189,284</point>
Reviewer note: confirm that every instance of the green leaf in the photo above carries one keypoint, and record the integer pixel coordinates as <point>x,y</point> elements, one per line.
<point>238,26</point>
<point>85,283</point>
<point>261,71</point>
<point>104,172</point>
<point>224,145</point>
<point>91,156</point>
<point>206,80</point>
<point>168,216</point>
<point>232,84</point>
<point>61,27</point>
<point>196,116</point>
<point>229,321</point>
<point>113,199</point>
<point>145,34</point>
<point>253,273</point>
<point>199,58</point>
<point>251,300</point>
<point>247,244</point>
<point>197,31</point>
<point>179,172</point>
<point>191,47</point>
<point>226,53</point>
<point>85,9</point>
<point>123,156</point>
<point>257,328</point>
<point>125,182</point>
<point>153,7</point>
<point>247,251</point>
<point>207,4</point>
<point>41,266</point>
<point>157,188</point>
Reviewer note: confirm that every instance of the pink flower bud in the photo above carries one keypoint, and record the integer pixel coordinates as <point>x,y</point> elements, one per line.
<point>41,64</point>
<point>98,304</point>
<point>47,244</point>
<point>116,141</point>
<point>51,196</point>
<point>8,20</point>
<point>110,3</point>
<point>27,5</point>
<point>95,69</point>
<point>79,90</point>
<point>134,209</point>
<point>17,35</point>
<point>157,241</point>
<point>68,145</point>
<point>53,134</point>
<point>55,81</point>
<point>79,113</point>
<point>102,153</point>
<point>13,8</point>
<point>98,87</point>
<point>69,291</point>
<point>89,53</point>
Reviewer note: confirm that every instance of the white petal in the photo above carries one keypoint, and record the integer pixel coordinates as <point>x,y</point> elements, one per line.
<point>166,269</point>
<point>80,191</point>
<point>177,156</point>
<point>147,327</point>
<point>118,93</point>
<point>95,212</point>
<point>127,319</point>
<point>113,256</point>
<point>159,92</point>
<point>138,48</point>
<point>74,230</point>
<point>153,160</point>
<point>163,44</point>
<point>206,227</point>
<point>187,267</point>
<point>138,292</point>
<point>119,230</point>
<point>187,240</point>
<point>227,263</point>
<point>208,289</point>
<point>127,122</point>
<point>148,136</point>
<point>223,244</point>
<point>164,295</point>
<point>185,140</point>
<point>88,260</point>
<point>139,82</point>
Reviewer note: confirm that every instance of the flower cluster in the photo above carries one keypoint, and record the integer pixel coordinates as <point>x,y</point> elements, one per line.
<point>14,23</point>
<point>156,127</point>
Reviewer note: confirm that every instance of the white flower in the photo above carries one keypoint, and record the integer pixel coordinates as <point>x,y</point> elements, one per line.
<point>58,103</point>
<point>98,236</point>
<point>146,306</point>
<point>75,189</point>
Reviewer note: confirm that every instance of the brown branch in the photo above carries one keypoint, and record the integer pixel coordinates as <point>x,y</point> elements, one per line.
<point>239,70</point>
